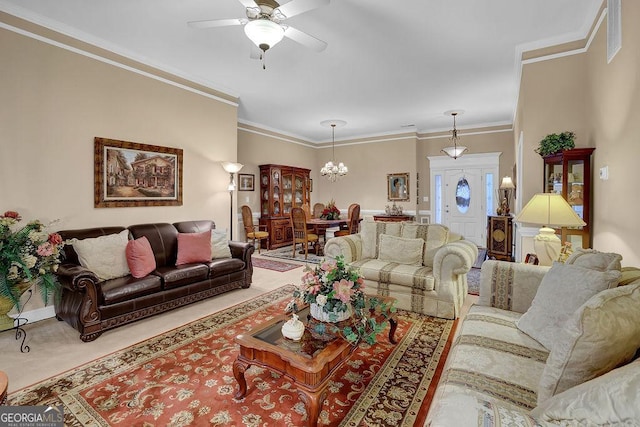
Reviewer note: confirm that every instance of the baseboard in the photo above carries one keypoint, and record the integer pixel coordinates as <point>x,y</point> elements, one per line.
<point>36,315</point>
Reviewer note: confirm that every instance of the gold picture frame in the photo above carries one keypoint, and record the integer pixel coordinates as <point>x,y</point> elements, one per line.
<point>130,174</point>
<point>398,187</point>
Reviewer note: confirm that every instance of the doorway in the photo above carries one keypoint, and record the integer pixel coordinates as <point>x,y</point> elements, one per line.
<point>463,193</point>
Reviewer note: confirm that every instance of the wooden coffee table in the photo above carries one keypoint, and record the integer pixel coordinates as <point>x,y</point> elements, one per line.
<point>309,363</point>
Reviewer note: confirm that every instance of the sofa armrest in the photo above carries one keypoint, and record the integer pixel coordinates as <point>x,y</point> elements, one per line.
<point>241,250</point>
<point>76,278</point>
<point>509,285</point>
<point>350,246</point>
<point>451,264</point>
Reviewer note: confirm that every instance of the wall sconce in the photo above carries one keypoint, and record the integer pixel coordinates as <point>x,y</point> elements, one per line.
<point>232,168</point>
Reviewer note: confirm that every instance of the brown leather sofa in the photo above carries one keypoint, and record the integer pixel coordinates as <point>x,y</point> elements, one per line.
<point>92,306</point>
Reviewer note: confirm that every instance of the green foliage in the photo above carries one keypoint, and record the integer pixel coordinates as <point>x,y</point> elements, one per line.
<point>556,142</point>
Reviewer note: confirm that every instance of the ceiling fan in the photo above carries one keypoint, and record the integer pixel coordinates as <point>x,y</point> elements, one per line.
<point>264,24</point>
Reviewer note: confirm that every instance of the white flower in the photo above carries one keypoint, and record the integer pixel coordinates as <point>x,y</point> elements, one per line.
<point>38,236</point>
<point>29,261</point>
<point>321,300</point>
<point>13,273</point>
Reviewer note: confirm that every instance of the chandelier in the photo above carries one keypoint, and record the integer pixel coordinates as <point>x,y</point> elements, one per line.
<point>332,170</point>
<point>454,151</point>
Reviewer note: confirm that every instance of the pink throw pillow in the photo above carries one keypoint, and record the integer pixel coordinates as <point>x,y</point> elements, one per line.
<point>194,247</point>
<point>140,257</point>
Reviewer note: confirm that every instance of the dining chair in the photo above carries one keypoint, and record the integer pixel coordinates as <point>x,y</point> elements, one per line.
<point>252,231</point>
<point>353,223</point>
<point>300,232</point>
<point>317,210</point>
<point>345,227</point>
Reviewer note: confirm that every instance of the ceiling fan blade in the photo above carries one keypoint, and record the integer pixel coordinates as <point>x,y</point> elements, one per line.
<point>305,39</point>
<point>248,3</point>
<point>296,7</point>
<point>211,23</point>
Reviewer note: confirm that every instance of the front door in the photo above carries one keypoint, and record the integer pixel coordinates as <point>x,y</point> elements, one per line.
<point>462,193</point>
<point>464,204</point>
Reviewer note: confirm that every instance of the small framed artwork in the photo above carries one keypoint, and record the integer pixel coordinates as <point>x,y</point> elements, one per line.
<point>398,187</point>
<point>130,174</point>
<point>531,259</point>
<point>247,182</point>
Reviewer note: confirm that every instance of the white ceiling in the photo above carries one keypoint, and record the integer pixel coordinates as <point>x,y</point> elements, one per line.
<point>388,64</point>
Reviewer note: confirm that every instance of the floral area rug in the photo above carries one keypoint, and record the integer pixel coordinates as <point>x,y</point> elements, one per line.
<point>286,253</point>
<point>473,281</point>
<point>185,377</point>
<point>270,264</point>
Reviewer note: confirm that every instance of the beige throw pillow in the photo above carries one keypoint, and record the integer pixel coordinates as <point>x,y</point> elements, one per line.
<point>434,235</point>
<point>370,232</point>
<point>595,260</point>
<point>219,244</point>
<point>401,250</point>
<point>609,400</point>
<point>603,334</point>
<point>105,256</point>
<point>562,291</point>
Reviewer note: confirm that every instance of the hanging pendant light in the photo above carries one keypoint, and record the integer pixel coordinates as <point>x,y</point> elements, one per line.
<point>454,151</point>
<point>332,170</point>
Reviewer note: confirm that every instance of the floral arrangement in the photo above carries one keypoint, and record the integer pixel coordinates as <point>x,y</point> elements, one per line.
<point>27,255</point>
<point>338,288</point>
<point>330,211</point>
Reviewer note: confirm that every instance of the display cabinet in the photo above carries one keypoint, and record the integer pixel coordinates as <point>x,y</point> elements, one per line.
<point>281,188</point>
<point>500,238</point>
<point>569,173</point>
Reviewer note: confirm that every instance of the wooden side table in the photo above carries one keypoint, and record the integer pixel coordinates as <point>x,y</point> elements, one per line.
<point>393,218</point>
<point>500,238</point>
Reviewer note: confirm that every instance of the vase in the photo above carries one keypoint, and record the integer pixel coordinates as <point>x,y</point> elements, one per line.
<point>318,313</point>
<point>6,304</point>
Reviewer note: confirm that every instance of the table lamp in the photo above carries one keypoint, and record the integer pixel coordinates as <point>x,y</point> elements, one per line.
<point>548,209</point>
<point>507,187</point>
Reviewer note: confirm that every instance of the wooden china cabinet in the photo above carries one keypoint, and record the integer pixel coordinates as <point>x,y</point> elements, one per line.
<point>569,173</point>
<point>281,188</point>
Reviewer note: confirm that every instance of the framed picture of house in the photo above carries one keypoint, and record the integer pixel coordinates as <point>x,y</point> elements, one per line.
<point>130,174</point>
<point>398,187</point>
<point>246,181</point>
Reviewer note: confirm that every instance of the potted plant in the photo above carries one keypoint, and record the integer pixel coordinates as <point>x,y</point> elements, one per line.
<point>335,294</point>
<point>28,256</point>
<point>556,142</point>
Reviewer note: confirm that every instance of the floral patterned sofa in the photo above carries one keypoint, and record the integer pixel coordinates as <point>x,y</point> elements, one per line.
<point>424,266</point>
<point>587,314</point>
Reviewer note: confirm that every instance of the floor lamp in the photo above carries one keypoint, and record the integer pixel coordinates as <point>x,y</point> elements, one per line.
<point>548,209</point>
<point>232,168</point>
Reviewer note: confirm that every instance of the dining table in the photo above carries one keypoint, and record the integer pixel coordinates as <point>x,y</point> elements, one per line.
<point>320,226</point>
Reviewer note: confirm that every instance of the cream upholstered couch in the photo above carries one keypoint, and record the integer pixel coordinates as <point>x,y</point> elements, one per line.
<point>424,266</point>
<point>498,375</point>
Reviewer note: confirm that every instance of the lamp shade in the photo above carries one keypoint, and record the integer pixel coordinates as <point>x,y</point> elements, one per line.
<point>232,167</point>
<point>506,183</point>
<point>454,151</point>
<point>549,209</point>
<point>264,33</point>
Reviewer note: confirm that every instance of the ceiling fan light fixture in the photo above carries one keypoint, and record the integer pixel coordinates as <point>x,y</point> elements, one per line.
<point>264,33</point>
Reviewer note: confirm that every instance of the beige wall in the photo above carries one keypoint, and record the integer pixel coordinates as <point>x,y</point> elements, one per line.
<point>613,127</point>
<point>601,103</point>
<point>256,147</point>
<point>54,102</point>
<point>368,163</point>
